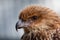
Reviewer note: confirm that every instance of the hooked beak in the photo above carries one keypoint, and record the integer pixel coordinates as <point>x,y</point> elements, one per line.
<point>16,26</point>
<point>21,24</point>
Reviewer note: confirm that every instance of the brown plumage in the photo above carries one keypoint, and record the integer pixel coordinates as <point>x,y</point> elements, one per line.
<point>39,23</point>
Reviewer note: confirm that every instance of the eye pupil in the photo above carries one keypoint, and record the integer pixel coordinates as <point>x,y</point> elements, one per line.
<point>34,17</point>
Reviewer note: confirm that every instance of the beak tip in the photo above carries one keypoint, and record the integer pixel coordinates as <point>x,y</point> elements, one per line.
<point>17,30</point>
<point>16,26</point>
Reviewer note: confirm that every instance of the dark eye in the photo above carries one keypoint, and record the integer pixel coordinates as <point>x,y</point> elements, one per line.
<point>34,17</point>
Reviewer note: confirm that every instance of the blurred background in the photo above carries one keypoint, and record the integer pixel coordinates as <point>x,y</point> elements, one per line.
<point>9,11</point>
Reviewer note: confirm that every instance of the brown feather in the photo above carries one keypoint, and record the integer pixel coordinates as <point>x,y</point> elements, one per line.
<point>45,27</point>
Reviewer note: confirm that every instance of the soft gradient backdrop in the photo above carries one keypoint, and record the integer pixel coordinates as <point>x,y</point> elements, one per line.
<point>9,11</point>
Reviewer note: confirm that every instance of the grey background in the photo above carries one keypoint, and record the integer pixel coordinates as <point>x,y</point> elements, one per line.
<point>9,11</point>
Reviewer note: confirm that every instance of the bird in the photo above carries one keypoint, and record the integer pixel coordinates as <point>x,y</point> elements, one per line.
<point>39,23</point>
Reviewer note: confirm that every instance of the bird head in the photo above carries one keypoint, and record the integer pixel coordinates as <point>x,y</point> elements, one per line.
<point>34,18</point>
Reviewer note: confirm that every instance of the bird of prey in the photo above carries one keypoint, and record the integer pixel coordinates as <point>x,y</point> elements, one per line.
<point>39,23</point>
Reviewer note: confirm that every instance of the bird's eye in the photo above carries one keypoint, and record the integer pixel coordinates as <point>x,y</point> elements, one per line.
<point>34,17</point>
